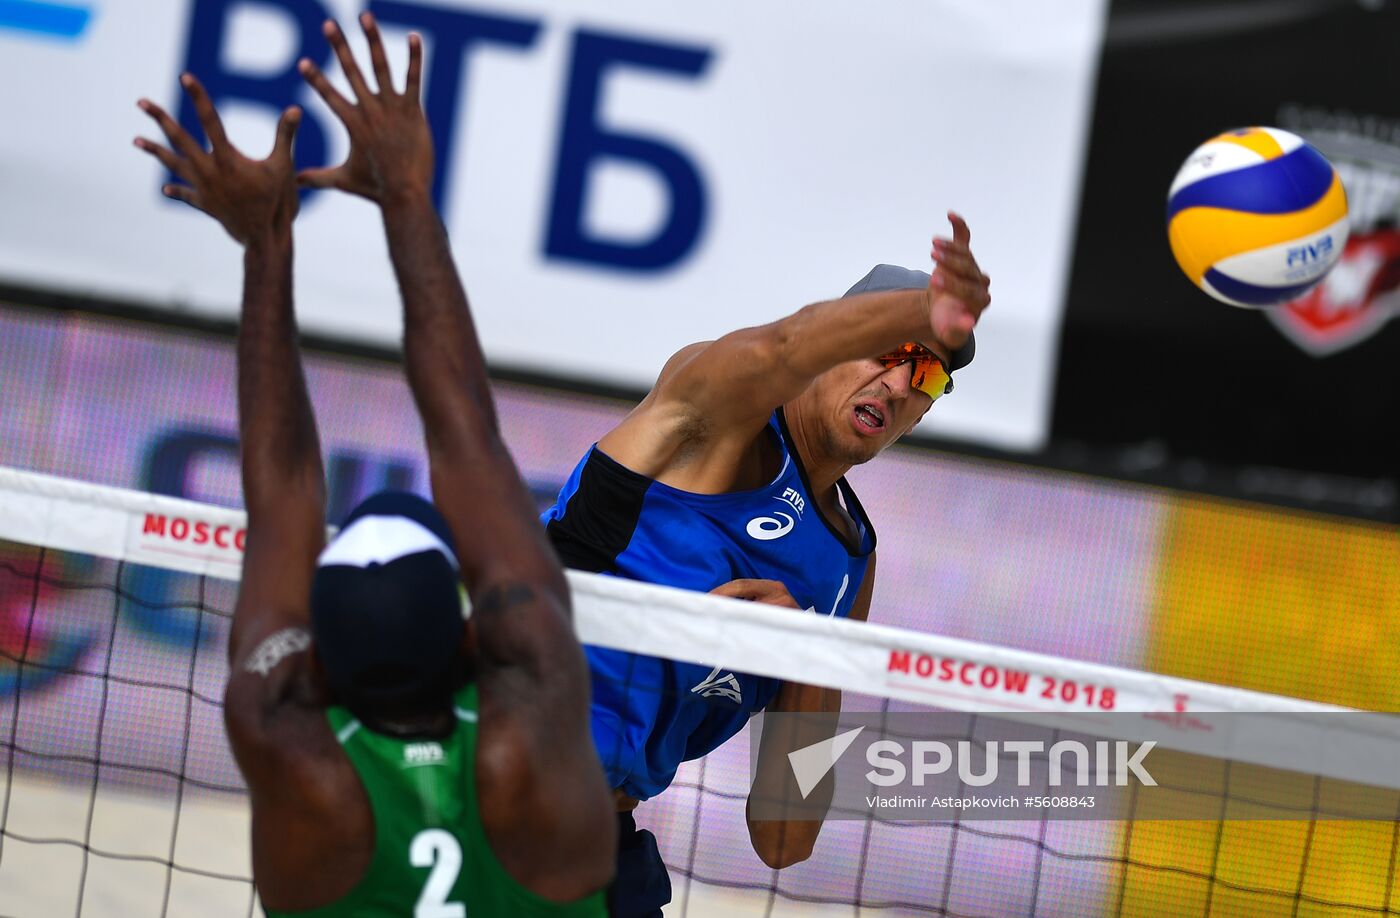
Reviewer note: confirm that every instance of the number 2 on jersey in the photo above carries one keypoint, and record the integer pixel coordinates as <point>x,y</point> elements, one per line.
<point>436,848</point>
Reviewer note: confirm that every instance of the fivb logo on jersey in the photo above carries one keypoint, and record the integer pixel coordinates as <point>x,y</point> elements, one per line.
<point>768,528</point>
<point>429,753</point>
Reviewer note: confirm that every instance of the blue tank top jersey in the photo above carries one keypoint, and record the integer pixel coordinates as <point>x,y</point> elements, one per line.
<point>650,714</point>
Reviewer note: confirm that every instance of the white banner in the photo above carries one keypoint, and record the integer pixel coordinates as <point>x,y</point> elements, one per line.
<point>619,178</point>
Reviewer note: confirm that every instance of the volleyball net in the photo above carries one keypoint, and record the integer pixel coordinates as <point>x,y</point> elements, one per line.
<point>120,795</point>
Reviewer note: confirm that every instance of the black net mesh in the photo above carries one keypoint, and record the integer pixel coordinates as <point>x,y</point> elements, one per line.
<point>116,768</point>
<point>120,797</point>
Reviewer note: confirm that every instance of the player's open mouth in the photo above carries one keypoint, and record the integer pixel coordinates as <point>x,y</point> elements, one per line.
<point>869,418</point>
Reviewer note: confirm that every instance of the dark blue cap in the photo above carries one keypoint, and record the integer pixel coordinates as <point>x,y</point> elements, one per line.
<point>893,277</point>
<point>386,608</point>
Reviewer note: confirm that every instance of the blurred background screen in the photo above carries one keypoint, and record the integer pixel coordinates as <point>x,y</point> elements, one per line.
<point>1130,473</point>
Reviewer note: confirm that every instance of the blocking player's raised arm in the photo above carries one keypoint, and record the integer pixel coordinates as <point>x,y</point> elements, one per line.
<point>735,382</point>
<point>283,482</point>
<point>290,789</point>
<point>545,804</point>
<point>475,482</point>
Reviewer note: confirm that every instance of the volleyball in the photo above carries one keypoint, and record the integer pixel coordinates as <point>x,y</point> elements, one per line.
<point>1256,217</point>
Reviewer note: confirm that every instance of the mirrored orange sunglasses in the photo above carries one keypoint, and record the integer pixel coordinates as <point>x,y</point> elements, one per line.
<point>930,375</point>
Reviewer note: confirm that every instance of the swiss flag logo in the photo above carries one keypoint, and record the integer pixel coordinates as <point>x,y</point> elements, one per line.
<point>1358,297</point>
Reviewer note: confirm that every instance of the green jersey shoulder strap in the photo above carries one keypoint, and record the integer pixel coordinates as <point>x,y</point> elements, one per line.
<point>431,857</point>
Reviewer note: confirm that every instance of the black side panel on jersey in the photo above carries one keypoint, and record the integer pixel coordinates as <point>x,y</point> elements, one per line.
<point>600,516</point>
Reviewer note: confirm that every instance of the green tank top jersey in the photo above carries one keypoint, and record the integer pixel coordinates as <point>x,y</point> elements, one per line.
<point>431,858</point>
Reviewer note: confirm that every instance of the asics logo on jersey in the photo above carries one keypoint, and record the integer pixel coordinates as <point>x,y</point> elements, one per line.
<point>768,528</point>
<point>726,686</point>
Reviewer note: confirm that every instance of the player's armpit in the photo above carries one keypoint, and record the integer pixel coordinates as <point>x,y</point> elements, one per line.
<point>664,427</point>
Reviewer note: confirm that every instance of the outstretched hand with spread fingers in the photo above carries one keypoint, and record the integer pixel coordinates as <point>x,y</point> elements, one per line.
<point>250,198</point>
<point>391,145</point>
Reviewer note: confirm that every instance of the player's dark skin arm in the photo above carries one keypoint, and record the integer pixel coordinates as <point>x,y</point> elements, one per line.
<point>283,480</point>
<point>545,803</point>
<point>307,831</point>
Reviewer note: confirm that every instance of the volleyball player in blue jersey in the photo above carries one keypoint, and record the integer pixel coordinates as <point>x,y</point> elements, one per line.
<point>733,467</point>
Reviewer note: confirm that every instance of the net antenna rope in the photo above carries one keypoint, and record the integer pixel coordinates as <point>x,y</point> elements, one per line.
<point>871,659</point>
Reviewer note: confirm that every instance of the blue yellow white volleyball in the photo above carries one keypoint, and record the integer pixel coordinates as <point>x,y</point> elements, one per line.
<point>1256,216</point>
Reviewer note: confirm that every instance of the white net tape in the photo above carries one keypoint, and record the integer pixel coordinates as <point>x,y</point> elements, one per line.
<point>859,657</point>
